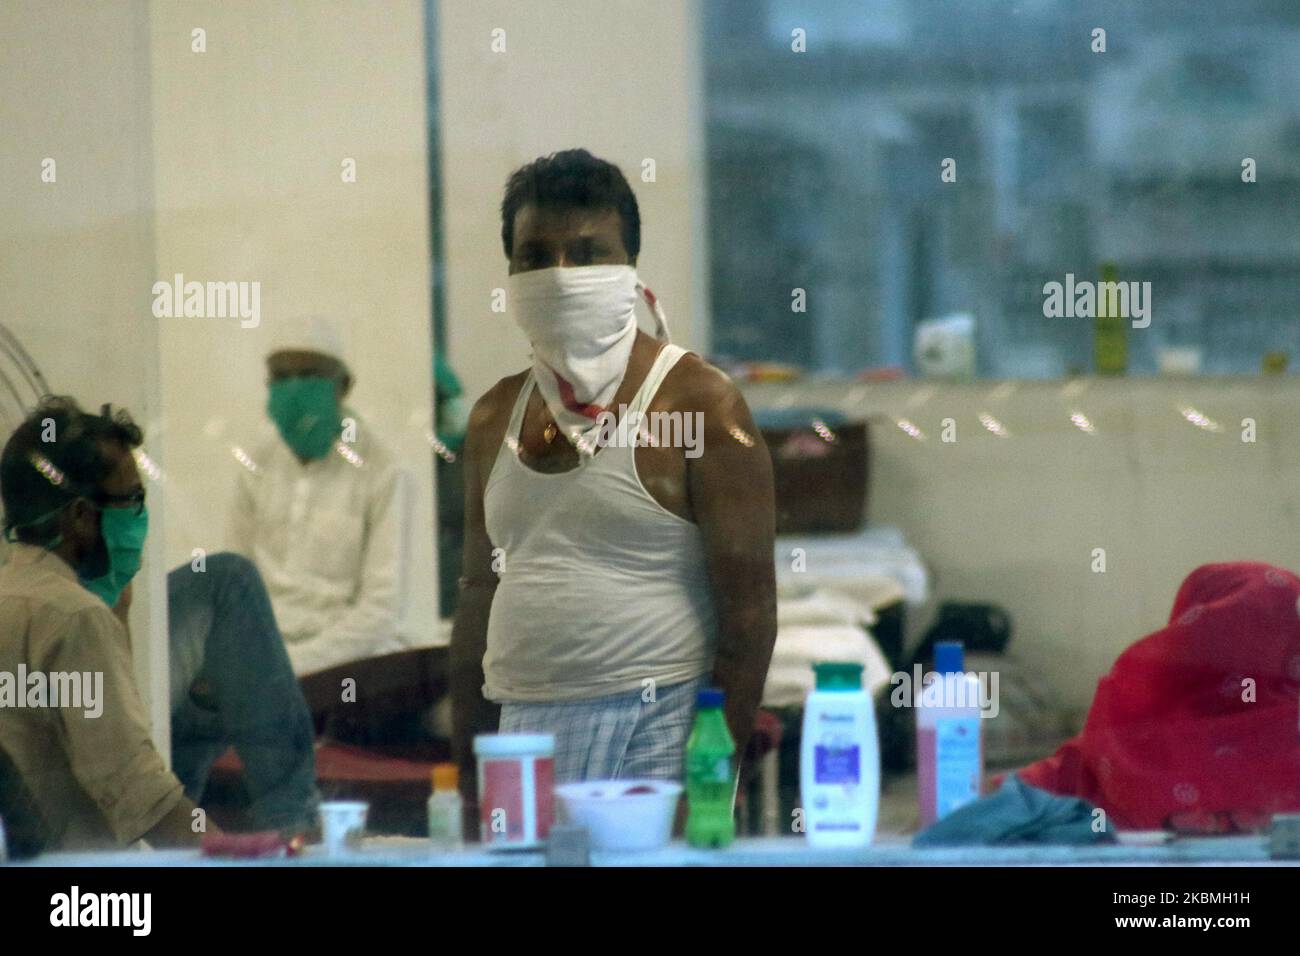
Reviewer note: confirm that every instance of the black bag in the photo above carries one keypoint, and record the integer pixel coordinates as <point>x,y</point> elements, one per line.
<point>981,628</point>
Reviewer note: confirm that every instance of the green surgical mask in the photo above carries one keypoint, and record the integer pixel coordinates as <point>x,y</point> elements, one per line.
<point>123,531</point>
<point>306,411</point>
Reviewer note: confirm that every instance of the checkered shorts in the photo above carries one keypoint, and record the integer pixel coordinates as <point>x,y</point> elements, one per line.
<point>615,737</point>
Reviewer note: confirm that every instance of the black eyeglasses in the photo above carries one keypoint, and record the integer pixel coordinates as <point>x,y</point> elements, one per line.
<point>130,499</point>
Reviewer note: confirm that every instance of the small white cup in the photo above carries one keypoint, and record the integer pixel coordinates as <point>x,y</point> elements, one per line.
<point>1179,360</point>
<point>343,824</point>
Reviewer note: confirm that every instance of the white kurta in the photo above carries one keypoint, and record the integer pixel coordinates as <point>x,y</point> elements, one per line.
<point>330,540</point>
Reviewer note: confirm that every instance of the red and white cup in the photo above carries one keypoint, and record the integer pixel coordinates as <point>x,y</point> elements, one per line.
<point>516,789</point>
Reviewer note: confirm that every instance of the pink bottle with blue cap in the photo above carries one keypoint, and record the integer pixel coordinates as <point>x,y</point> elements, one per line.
<point>949,735</point>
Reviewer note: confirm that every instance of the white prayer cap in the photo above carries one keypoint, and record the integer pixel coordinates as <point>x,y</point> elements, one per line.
<point>307,333</point>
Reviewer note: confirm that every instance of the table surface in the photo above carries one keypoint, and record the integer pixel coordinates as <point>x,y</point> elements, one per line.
<point>767,852</point>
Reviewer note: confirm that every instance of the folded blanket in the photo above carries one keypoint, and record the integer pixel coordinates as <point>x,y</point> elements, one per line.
<point>819,606</point>
<point>790,676</point>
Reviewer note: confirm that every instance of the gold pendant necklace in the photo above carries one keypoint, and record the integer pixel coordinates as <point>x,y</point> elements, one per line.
<point>549,432</point>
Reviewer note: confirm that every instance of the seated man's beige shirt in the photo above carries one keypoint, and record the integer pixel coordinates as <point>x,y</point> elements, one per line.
<point>99,781</point>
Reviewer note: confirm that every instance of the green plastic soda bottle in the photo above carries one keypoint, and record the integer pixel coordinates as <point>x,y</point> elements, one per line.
<point>709,784</point>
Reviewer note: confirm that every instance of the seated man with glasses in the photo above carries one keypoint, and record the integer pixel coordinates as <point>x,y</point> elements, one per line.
<point>75,509</point>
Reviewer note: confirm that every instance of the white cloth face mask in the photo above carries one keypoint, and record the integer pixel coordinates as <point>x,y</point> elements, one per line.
<point>581,321</point>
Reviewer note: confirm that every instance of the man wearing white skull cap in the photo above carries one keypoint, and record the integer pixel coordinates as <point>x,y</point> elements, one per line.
<point>323,510</point>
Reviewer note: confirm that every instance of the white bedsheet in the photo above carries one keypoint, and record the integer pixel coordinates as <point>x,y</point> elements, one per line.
<point>828,590</point>
<point>827,623</point>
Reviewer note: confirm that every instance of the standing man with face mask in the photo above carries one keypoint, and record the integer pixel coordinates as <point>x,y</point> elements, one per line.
<point>323,510</point>
<point>605,582</point>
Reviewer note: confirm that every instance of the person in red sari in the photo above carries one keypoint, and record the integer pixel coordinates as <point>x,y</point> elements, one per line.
<point>1197,727</point>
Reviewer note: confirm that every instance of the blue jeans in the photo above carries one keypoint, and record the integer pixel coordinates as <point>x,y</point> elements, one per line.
<point>232,685</point>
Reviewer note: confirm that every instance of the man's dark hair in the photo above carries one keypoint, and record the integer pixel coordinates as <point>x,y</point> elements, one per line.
<point>571,179</point>
<point>55,456</point>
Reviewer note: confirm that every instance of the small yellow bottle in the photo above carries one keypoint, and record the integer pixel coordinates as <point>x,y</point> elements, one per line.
<point>1109,339</point>
<point>445,808</point>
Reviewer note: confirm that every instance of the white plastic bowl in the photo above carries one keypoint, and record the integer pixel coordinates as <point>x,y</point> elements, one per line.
<point>617,820</point>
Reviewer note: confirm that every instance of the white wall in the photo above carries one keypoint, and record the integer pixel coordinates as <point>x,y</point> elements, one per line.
<point>250,141</point>
<point>1014,520</point>
<point>222,165</point>
<point>79,252</point>
<point>618,77</point>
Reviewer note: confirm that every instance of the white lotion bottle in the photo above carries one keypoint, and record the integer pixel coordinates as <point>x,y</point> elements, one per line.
<point>839,767</point>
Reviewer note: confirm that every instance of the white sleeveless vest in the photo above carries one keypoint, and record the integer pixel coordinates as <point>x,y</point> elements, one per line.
<point>602,588</point>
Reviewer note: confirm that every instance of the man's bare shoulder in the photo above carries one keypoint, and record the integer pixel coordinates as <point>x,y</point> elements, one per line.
<point>694,384</point>
<point>491,413</point>
<point>496,402</point>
